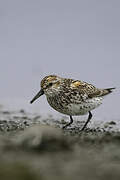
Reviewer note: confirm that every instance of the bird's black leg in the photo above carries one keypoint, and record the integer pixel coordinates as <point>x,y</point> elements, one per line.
<point>88,120</point>
<point>71,121</point>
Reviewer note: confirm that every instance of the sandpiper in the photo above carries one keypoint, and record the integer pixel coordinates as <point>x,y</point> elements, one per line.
<point>71,97</point>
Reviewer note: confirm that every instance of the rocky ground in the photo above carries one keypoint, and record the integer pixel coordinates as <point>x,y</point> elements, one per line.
<point>36,148</point>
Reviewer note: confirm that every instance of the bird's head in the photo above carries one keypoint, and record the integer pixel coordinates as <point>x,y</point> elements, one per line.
<point>49,86</point>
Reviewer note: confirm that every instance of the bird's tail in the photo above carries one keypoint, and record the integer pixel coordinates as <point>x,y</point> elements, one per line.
<point>107,91</point>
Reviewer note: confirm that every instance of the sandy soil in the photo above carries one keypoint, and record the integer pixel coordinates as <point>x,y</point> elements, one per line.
<point>36,148</point>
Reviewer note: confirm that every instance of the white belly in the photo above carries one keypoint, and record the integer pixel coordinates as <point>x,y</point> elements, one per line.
<point>84,107</point>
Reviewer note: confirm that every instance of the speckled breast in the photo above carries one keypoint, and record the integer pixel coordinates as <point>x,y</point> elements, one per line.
<point>64,106</point>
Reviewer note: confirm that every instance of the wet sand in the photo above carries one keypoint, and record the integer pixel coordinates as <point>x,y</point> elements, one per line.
<point>36,148</point>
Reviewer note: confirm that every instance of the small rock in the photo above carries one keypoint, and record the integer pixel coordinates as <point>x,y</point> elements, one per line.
<point>22,111</point>
<point>5,112</point>
<point>112,123</point>
<point>36,118</point>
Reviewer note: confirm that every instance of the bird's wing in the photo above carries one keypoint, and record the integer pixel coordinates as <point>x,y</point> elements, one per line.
<point>86,89</point>
<point>78,91</point>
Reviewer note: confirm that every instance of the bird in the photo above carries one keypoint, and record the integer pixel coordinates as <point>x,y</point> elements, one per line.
<point>71,97</point>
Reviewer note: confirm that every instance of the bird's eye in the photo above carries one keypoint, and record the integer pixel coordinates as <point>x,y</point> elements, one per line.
<point>50,84</point>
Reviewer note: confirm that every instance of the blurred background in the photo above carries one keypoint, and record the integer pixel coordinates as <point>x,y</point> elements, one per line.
<point>79,39</point>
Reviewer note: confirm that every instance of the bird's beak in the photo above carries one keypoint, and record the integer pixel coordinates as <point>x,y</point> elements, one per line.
<point>40,93</point>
